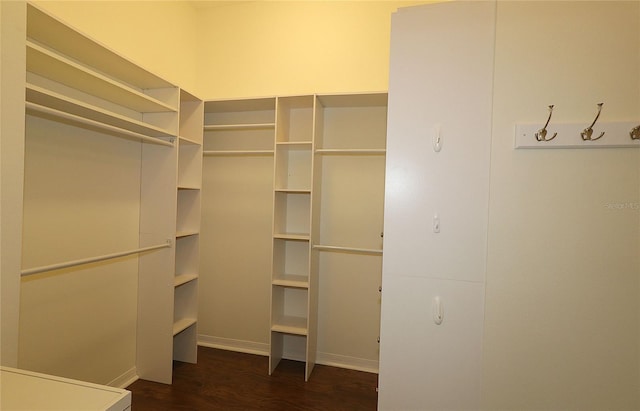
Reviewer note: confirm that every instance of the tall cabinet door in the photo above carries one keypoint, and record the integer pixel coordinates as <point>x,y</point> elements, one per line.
<point>436,206</point>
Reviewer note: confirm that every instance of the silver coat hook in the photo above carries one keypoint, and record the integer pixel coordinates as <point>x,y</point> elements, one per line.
<point>541,135</point>
<point>635,133</point>
<point>588,132</point>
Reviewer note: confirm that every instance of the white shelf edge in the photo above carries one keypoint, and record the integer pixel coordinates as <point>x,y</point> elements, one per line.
<point>236,152</point>
<point>182,324</point>
<point>186,233</point>
<point>248,126</point>
<point>184,279</point>
<point>292,236</point>
<point>347,249</point>
<point>293,143</point>
<point>295,281</point>
<point>189,141</point>
<point>351,151</point>
<point>290,325</point>
<point>293,190</point>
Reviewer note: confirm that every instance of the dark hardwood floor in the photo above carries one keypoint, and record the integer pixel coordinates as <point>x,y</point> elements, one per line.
<point>226,380</point>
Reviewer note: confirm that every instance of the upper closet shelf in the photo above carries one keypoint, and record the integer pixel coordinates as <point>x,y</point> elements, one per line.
<point>49,31</point>
<point>48,98</point>
<point>59,68</point>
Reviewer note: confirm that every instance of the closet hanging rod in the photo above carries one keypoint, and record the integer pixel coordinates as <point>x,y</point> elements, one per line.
<point>104,126</point>
<point>42,269</point>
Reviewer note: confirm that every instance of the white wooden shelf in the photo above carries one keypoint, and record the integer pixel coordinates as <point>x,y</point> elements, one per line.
<point>212,153</point>
<point>292,236</point>
<point>351,151</point>
<point>347,249</point>
<point>188,233</point>
<point>249,126</point>
<point>294,144</point>
<point>182,324</point>
<point>290,325</point>
<point>47,98</point>
<point>184,279</point>
<point>53,66</point>
<point>291,280</point>
<point>293,190</point>
<point>186,140</point>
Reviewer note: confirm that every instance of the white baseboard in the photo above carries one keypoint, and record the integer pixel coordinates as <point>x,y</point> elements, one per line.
<point>343,361</point>
<point>250,347</point>
<point>125,379</point>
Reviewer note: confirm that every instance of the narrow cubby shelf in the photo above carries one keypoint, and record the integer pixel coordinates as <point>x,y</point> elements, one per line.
<point>182,324</point>
<point>240,126</point>
<point>183,234</point>
<point>351,151</point>
<point>292,236</point>
<point>290,325</point>
<point>213,153</point>
<point>291,280</point>
<point>356,250</point>
<point>183,279</point>
<point>187,141</point>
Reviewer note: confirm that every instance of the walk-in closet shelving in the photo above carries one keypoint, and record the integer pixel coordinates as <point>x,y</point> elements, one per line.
<point>96,93</point>
<point>187,262</point>
<point>350,140</point>
<point>293,291</point>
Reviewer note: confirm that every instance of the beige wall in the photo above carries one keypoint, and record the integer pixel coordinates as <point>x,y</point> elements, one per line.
<point>266,48</point>
<point>561,320</point>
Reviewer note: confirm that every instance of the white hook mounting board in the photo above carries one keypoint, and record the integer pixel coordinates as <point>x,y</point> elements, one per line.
<point>616,135</point>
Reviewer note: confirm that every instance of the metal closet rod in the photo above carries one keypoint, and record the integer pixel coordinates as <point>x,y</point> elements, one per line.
<point>42,269</point>
<point>104,126</point>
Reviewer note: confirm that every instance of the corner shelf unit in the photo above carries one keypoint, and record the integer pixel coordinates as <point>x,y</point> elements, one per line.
<point>293,285</point>
<point>74,80</point>
<point>188,211</point>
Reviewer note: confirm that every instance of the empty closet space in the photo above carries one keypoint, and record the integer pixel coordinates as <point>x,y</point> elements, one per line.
<point>293,191</point>
<point>237,209</point>
<point>350,145</point>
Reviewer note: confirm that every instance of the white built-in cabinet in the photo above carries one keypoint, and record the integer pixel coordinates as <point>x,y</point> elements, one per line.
<point>436,206</point>
<point>96,93</point>
<point>304,232</point>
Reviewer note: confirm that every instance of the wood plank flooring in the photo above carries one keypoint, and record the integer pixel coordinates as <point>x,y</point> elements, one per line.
<point>226,380</point>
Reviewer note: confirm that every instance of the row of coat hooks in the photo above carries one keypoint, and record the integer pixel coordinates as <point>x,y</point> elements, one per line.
<point>597,134</point>
<point>587,133</point>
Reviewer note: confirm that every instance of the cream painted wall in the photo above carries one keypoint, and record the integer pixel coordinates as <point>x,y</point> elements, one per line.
<point>562,301</point>
<point>155,34</point>
<point>266,48</point>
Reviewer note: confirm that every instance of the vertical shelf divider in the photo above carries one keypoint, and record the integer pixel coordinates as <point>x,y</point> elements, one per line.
<point>187,234</point>
<point>293,287</point>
